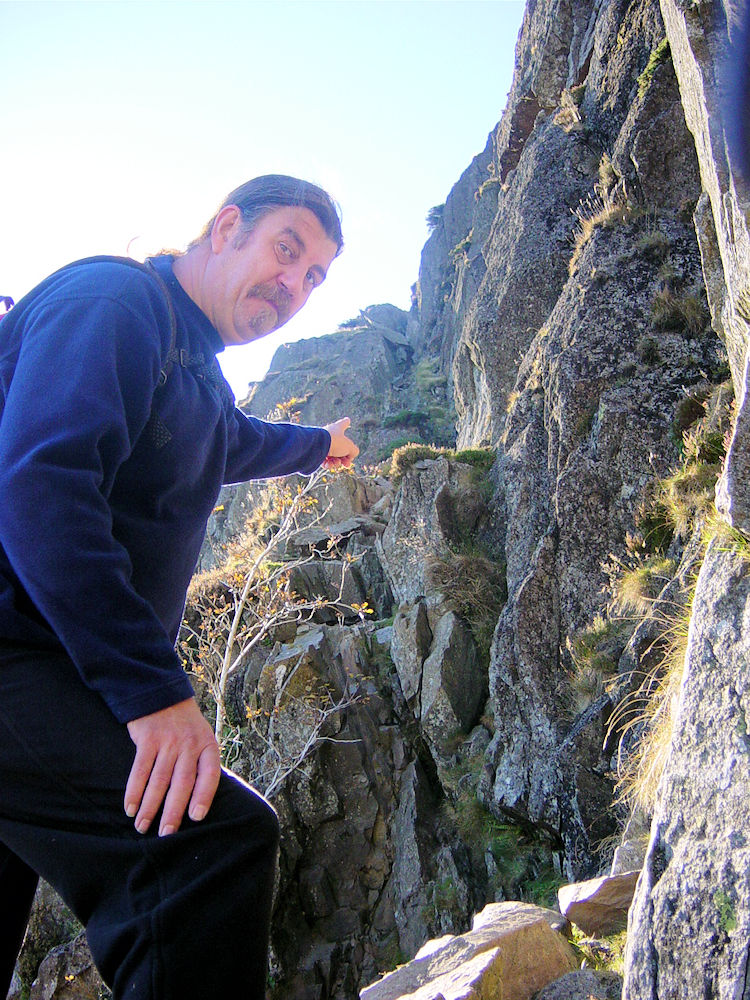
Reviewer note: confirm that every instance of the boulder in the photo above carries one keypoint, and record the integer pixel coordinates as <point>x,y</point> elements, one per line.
<point>410,645</point>
<point>511,952</point>
<point>599,906</point>
<point>494,912</point>
<point>584,984</point>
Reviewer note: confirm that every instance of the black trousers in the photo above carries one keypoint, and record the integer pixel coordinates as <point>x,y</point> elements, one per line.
<point>185,916</point>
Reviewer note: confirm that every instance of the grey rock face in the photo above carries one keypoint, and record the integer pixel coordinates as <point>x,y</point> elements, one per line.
<point>67,973</point>
<point>436,504</point>
<point>689,922</point>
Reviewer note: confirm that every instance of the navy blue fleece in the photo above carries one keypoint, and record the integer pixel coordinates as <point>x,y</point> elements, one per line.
<point>101,519</point>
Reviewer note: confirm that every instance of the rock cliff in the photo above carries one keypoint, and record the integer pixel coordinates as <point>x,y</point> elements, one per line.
<point>566,373</point>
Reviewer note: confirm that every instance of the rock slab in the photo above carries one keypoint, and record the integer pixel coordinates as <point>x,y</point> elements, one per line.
<point>599,906</point>
<point>511,952</point>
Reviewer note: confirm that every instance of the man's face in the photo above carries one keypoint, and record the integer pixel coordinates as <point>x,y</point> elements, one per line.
<point>254,282</point>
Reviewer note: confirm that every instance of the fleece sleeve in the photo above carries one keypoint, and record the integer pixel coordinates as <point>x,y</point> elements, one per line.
<point>80,395</point>
<point>262,450</point>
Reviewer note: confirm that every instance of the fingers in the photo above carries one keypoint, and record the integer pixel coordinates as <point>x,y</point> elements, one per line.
<point>176,765</point>
<point>206,783</point>
<point>138,779</point>
<point>190,782</point>
<point>343,451</point>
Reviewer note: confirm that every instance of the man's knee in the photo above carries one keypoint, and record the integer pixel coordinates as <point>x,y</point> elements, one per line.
<point>254,819</point>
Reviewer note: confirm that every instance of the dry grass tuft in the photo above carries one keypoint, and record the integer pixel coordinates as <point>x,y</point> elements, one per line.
<point>595,652</point>
<point>598,211</point>
<point>652,709</point>
<point>475,587</point>
<point>637,589</point>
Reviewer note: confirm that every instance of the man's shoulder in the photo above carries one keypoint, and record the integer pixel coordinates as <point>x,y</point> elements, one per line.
<point>105,282</point>
<point>98,293</point>
<point>113,277</point>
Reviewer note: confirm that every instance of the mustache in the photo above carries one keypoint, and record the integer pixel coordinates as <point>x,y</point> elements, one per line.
<point>279,298</point>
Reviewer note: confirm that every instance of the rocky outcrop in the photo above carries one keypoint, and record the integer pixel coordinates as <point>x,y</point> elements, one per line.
<point>366,369</point>
<point>688,925</point>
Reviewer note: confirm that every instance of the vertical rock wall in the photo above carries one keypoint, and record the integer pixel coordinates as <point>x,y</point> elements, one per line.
<point>690,919</point>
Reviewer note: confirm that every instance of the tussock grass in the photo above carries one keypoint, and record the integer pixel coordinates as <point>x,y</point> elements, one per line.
<point>660,54</point>
<point>637,588</point>
<point>407,455</point>
<point>595,652</point>
<point>686,311</point>
<point>603,954</point>
<point>475,587</point>
<point>651,710</point>
<point>597,211</point>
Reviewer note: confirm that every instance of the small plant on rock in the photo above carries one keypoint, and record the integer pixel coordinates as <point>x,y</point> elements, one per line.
<point>658,56</point>
<point>686,311</point>
<point>637,588</point>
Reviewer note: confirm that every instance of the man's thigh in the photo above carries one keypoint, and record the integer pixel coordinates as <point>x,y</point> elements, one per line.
<point>64,764</point>
<point>64,758</point>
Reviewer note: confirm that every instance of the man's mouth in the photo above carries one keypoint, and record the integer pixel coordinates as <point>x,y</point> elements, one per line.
<point>277,298</point>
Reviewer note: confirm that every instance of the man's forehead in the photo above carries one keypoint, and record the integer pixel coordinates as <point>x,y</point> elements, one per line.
<point>304,228</point>
<point>294,218</point>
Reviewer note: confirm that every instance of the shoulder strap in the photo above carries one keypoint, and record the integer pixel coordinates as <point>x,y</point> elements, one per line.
<point>147,268</point>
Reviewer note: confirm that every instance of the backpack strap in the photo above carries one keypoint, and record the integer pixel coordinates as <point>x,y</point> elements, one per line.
<point>173,355</point>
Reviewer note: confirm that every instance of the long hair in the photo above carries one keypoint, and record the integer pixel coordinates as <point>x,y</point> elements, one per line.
<point>262,195</point>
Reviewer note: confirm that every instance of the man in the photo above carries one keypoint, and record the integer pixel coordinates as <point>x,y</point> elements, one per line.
<point>117,431</point>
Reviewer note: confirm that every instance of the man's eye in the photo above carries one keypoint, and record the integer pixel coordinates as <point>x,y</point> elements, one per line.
<point>285,251</point>
<point>312,279</point>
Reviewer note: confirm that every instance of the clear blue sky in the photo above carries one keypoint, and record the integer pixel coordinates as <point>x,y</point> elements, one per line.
<point>125,123</point>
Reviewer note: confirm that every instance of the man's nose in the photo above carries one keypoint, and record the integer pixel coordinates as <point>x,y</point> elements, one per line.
<point>293,280</point>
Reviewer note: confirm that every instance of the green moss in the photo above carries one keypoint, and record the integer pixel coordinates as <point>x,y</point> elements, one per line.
<point>428,375</point>
<point>652,245</point>
<point>462,247</point>
<point>407,454</point>
<point>606,954</point>
<point>648,351</point>
<point>480,458</point>
<point>390,449</point>
<point>725,910</point>
<point>406,418</point>
<point>435,216</point>
<point>658,56</point>
<point>595,651</point>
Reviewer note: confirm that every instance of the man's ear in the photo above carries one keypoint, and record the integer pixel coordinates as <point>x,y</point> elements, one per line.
<point>225,228</point>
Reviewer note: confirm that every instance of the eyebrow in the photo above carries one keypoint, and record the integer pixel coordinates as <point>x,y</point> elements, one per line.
<point>293,234</point>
